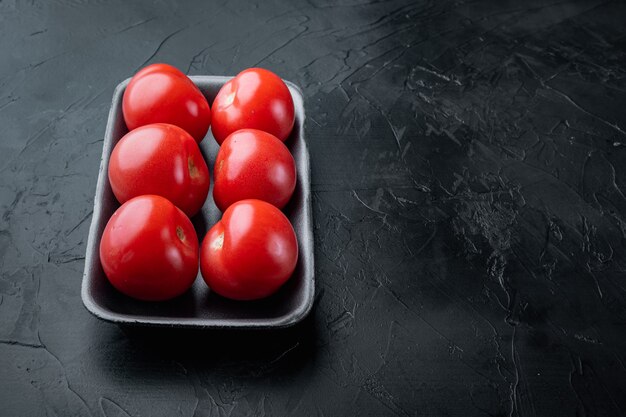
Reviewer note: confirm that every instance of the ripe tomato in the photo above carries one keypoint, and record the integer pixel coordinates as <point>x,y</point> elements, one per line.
<point>256,99</point>
<point>160,159</point>
<point>160,93</point>
<point>250,253</point>
<point>149,249</point>
<point>253,164</point>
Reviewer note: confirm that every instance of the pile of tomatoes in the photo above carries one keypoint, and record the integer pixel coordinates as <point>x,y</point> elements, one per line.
<point>149,249</point>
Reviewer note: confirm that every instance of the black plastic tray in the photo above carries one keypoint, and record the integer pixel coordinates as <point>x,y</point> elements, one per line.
<point>199,307</point>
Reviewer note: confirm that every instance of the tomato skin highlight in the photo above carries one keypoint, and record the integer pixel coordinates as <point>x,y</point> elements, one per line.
<point>149,249</point>
<point>160,93</point>
<point>252,164</point>
<point>160,159</point>
<point>255,99</point>
<point>250,253</point>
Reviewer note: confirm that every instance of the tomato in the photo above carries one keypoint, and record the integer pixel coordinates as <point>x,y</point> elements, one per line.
<point>250,253</point>
<point>160,159</point>
<point>149,249</point>
<point>160,93</point>
<point>255,99</point>
<point>253,164</point>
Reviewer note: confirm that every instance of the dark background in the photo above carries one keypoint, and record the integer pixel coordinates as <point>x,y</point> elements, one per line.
<point>470,218</point>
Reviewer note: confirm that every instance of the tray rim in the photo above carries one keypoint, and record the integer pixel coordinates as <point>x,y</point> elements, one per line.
<point>296,316</point>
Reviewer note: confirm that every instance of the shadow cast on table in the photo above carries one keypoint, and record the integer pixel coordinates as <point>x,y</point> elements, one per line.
<point>153,353</point>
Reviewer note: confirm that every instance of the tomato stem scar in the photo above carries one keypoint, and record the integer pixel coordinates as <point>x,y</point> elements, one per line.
<point>193,170</point>
<point>180,233</point>
<point>229,99</point>
<point>218,242</point>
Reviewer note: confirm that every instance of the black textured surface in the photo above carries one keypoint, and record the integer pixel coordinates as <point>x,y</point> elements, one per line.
<point>468,168</point>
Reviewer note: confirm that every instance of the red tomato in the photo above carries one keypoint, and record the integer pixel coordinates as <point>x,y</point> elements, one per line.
<point>149,249</point>
<point>253,164</point>
<point>160,159</point>
<point>254,99</point>
<point>160,93</point>
<point>250,253</point>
